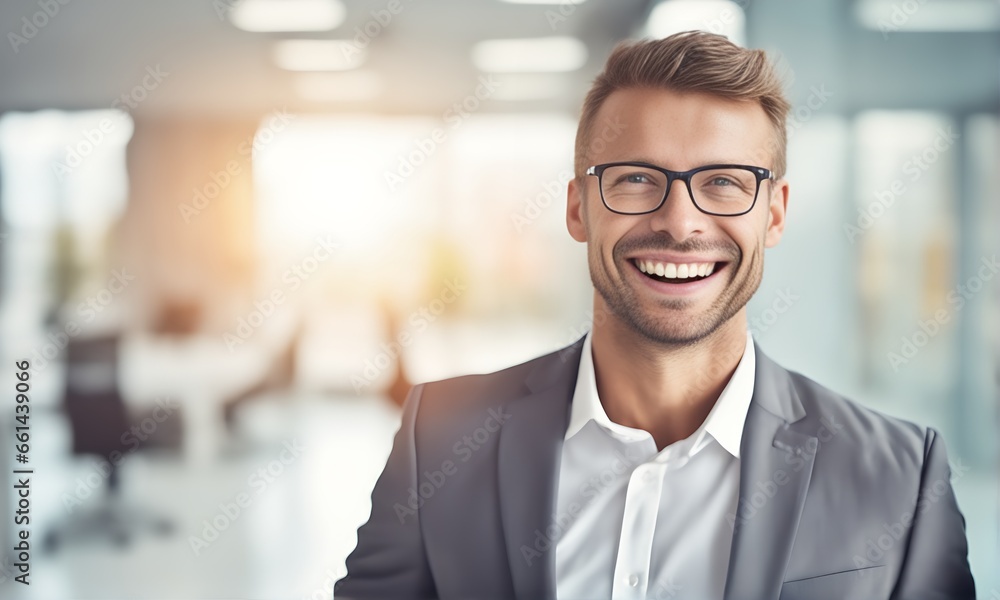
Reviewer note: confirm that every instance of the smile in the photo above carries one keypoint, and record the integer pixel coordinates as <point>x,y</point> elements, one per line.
<point>675,272</point>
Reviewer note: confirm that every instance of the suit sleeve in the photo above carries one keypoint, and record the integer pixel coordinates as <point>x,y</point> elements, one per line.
<point>936,564</point>
<point>389,560</point>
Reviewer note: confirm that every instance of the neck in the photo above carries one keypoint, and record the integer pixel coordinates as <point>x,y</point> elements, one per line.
<point>665,390</point>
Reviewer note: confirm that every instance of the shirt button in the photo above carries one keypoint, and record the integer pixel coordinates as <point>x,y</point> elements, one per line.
<point>633,580</point>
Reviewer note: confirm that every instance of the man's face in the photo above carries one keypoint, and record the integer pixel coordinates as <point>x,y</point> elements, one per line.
<point>677,131</point>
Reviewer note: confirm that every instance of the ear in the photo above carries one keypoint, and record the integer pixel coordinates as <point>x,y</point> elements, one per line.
<point>575,222</point>
<point>777,205</point>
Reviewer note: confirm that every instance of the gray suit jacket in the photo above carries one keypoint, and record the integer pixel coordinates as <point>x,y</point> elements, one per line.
<point>836,500</point>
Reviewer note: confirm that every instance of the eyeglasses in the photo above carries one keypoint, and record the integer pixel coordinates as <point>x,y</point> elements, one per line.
<point>636,188</point>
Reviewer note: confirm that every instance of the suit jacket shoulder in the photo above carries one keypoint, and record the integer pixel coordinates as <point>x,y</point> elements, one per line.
<point>451,408</point>
<point>880,503</point>
<point>873,438</point>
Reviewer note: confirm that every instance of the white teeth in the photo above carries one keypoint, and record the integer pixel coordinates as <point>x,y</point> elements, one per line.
<point>675,271</point>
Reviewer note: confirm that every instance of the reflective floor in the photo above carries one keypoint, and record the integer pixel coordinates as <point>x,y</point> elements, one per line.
<point>306,471</point>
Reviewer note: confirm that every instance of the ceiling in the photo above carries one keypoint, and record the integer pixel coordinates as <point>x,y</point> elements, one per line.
<point>89,53</point>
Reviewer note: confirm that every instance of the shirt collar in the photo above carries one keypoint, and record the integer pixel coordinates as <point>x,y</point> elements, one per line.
<point>724,422</point>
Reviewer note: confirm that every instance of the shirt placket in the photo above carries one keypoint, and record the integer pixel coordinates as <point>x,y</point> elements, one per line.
<point>642,503</point>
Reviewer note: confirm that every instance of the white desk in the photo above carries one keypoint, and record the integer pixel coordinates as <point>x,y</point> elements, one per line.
<point>199,372</point>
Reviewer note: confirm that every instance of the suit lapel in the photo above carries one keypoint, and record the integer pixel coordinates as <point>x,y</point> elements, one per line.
<point>528,459</point>
<point>775,467</point>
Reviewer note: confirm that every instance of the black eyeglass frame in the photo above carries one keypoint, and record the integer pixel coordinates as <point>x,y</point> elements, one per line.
<point>598,171</point>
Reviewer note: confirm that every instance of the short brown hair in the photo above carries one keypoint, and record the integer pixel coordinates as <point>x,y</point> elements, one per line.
<point>691,61</point>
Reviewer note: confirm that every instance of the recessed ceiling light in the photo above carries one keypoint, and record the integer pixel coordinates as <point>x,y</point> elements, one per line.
<point>529,55</point>
<point>351,86</point>
<point>287,15</point>
<point>715,16</point>
<point>317,55</point>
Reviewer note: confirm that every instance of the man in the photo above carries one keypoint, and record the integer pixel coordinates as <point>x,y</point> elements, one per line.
<point>664,455</point>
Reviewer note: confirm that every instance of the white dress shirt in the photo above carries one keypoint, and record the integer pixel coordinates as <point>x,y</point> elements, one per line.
<point>636,523</point>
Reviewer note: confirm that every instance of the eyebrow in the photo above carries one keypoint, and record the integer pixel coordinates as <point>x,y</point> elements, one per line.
<point>647,160</point>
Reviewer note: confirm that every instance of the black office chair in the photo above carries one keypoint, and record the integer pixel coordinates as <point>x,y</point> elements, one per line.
<point>98,419</point>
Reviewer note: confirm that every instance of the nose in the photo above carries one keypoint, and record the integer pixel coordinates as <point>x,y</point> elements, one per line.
<point>678,216</point>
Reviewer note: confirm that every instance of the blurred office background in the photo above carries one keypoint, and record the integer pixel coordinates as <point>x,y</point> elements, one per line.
<point>222,222</point>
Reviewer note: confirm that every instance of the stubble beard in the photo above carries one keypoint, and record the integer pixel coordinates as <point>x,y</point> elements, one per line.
<point>656,324</point>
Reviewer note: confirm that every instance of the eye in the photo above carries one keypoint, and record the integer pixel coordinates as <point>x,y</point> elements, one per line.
<point>634,179</point>
<point>721,181</point>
